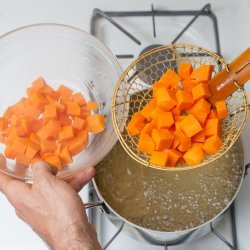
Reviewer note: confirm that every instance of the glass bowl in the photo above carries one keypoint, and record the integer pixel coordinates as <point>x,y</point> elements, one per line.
<point>61,55</point>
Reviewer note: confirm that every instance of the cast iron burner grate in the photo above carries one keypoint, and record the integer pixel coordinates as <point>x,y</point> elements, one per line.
<point>204,11</point>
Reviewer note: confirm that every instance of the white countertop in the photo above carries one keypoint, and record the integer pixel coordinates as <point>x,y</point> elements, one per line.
<point>233,19</point>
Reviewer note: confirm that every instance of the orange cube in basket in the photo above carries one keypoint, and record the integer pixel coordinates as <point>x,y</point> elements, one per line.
<point>201,90</point>
<point>147,109</point>
<point>190,125</point>
<point>185,69</point>
<point>136,124</point>
<point>221,108</point>
<point>184,99</point>
<point>203,73</point>
<point>146,144</point>
<point>165,98</point>
<point>212,127</point>
<point>162,138</point>
<point>213,144</point>
<point>194,156</point>
<point>159,158</point>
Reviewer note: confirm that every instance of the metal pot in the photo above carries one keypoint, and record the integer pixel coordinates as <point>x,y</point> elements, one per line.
<point>236,172</point>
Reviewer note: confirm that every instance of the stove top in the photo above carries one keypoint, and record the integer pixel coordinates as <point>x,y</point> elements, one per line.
<point>129,34</point>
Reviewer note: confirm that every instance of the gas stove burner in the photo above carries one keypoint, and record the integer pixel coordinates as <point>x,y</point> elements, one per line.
<point>150,47</point>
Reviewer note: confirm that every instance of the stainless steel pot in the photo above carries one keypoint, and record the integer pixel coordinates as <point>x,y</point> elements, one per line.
<point>167,237</point>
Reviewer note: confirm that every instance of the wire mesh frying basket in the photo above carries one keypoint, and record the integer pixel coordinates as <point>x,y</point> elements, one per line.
<point>134,90</point>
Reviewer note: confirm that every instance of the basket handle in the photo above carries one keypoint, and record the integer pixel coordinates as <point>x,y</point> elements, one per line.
<point>234,76</point>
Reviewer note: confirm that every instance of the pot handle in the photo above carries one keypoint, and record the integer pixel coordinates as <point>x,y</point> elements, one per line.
<point>246,169</point>
<point>97,204</point>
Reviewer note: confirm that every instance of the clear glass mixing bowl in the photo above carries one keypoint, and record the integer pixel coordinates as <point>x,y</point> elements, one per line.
<point>62,55</point>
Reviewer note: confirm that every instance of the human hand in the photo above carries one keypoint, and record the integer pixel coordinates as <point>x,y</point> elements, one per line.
<point>52,207</point>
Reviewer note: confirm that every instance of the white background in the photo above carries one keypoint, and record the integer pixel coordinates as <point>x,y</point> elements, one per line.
<point>234,23</point>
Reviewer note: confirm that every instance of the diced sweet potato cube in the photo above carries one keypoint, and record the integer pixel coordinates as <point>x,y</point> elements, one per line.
<point>164,119</point>
<point>22,159</point>
<point>136,124</point>
<point>64,91</point>
<point>173,157</point>
<point>10,153</point>
<point>50,112</point>
<point>65,156</point>
<point>159,158</point>
<point>32,149</point>
<point>221,108</point>
<point>184,99</point>
<point>39,83</point>
<point>48,146</point>
<point>199,137</point>
<point>165,99</point>
<point>79,123</point>
<point>20,145</point>
<point>146,144</point>
<point>73,109</point>
<point>66,133</point>
<point>171,78</point>
<point>3,124</point>
<point>79,99</point>
<point>95,123</point>
<point>147,110</point>
<point>203,73</point>
<point>212,114</point>
<point>185,69</point>
<point>91,106</point>
<point>194,156</point>
<point>185,144</point>
<point>148,128</point>
<point>212,127</point>
<point>188,84</point>
<point>53,160</point>
<point>213,144</point>
<point>190,125</point>
<point>162,138</point>
<point>201,90</point>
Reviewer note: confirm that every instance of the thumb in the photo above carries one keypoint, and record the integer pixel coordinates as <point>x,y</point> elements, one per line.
<point>41,168</point>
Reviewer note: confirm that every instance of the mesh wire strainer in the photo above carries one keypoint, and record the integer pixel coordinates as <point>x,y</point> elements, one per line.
<point>134,90</point>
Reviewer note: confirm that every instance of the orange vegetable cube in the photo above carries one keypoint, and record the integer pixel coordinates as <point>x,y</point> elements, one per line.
<point>212,127</point>
<point>175,111</point>
<point>79,99</point>
<point>39,83</point>
<point>64,99</point>
<point>194,156</point>
<point>221,108</point>
<point>146,144</point>
<point>185,144</point>
<point>159,158</point>
<point>188,84</point>
<point>190,125</point>
<point>173,157</point>
<point>199,137</point>
<point>20,145</point>
<point>148,128</point>
<point>64,91</point>
<point>48,146</point>
<point>10,153</point>
<point>213,144</point>
<point>32,149</point>
<point>53,160</point>
<point>79,123</point>
<point>171,78</point>
<point>165,120</point>
<point>162,138</point>
<point>184,99</point>
<point>79,143</point>
<point>95,123</point>
<point>159,84</point>
<point>3,124</point>
<point>65,156</point>
<point>200,110</point>
<point>34,138</point>
<point>165,99</point>
<point>201,90</point>
<point>37,100</point>
<point>212,114</point>
<point>73,109</point>
<point>203,73</point>
<point>65,120</point>
<point>8,113</point>
<point>91,106</point>
<point>198,144</point>
<point>136,124</point>
<point>147,110</point>
<point>66,133</point>
<point>185,69</point>
<point>23,160</point>
<point>50,112</point>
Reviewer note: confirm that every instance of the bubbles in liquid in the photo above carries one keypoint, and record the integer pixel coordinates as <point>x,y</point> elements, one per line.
<point>168,201</point>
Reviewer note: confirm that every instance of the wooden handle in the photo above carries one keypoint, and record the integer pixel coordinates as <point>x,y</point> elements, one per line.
<point>230,79</point>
